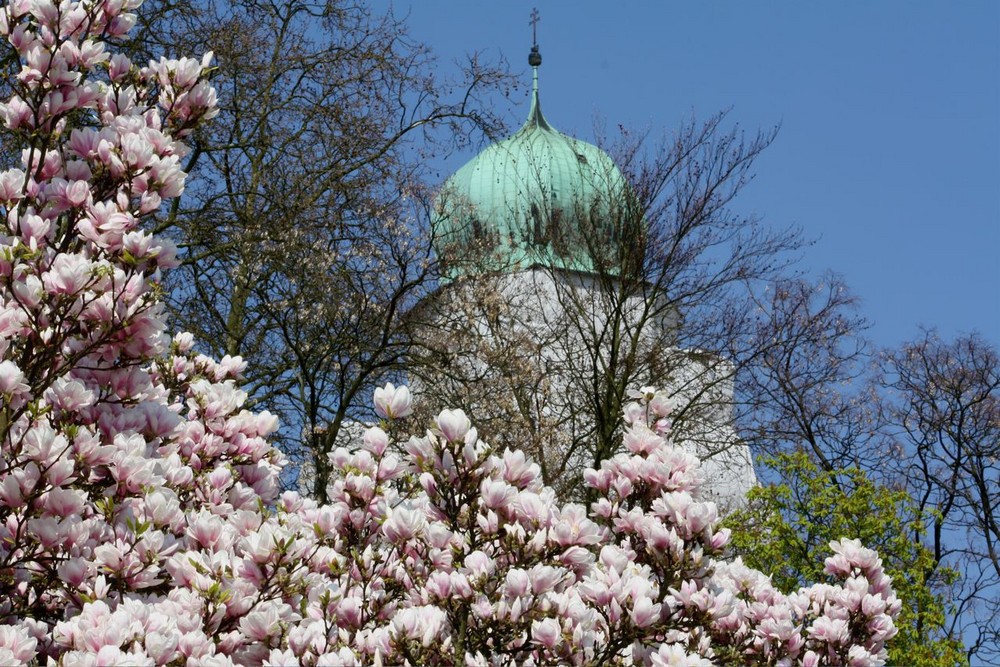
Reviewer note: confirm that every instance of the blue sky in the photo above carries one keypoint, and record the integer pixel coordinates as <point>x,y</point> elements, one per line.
<point>889,149</point>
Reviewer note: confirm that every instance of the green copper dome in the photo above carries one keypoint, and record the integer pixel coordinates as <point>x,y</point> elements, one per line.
<point>537,198</point>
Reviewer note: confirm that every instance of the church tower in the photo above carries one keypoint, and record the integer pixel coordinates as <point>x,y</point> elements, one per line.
<point>544,322</point>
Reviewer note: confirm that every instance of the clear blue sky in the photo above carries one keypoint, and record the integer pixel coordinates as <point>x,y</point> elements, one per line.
<point>889,149</point>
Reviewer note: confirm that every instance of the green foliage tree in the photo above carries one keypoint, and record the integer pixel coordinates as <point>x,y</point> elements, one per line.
<point>786,527</point>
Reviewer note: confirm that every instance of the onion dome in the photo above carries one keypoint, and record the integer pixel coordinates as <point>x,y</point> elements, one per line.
<point>537,198</point>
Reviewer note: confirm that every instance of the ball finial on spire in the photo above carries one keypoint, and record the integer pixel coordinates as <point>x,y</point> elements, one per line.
<point>535,57</point>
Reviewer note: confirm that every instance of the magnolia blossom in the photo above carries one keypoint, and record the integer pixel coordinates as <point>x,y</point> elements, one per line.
<point>393,402</point>
<point>453,424</point>
<point>141,518</point>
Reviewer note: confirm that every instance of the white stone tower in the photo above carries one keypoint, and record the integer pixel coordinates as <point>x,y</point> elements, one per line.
<point>545,321</point>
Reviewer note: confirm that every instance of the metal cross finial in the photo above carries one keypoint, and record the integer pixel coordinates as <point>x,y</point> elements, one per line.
<point>534,58</point>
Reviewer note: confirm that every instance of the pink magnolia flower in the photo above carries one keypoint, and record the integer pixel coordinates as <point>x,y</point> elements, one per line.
<point>11,185</point>
<point>265,620</point>
<point>516,583</point>
<point>518,470</point>
<point>453,425</point>
<point>17,646</point>
<point>644,613</point>
<point>12,379</point>
<point>393,402</point>
<point>832,631</point>
<point>496,493</point>
<point>674,655</point>
<point>403,523</point>
<point>546,632</point>
<point>376,440</point>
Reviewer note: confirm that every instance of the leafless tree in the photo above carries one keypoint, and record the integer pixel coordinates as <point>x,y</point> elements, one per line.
<point>805,384</point>
<point>303,230</point>
<point>943,408</point>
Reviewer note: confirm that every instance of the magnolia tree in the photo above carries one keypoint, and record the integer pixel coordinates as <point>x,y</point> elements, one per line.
<point>140,517</point>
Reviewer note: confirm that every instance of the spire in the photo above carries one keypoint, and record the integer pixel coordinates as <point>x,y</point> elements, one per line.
<point>534,60</point>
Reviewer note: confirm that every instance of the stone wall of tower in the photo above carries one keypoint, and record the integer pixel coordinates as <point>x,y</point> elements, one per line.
<point>521,353</point>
